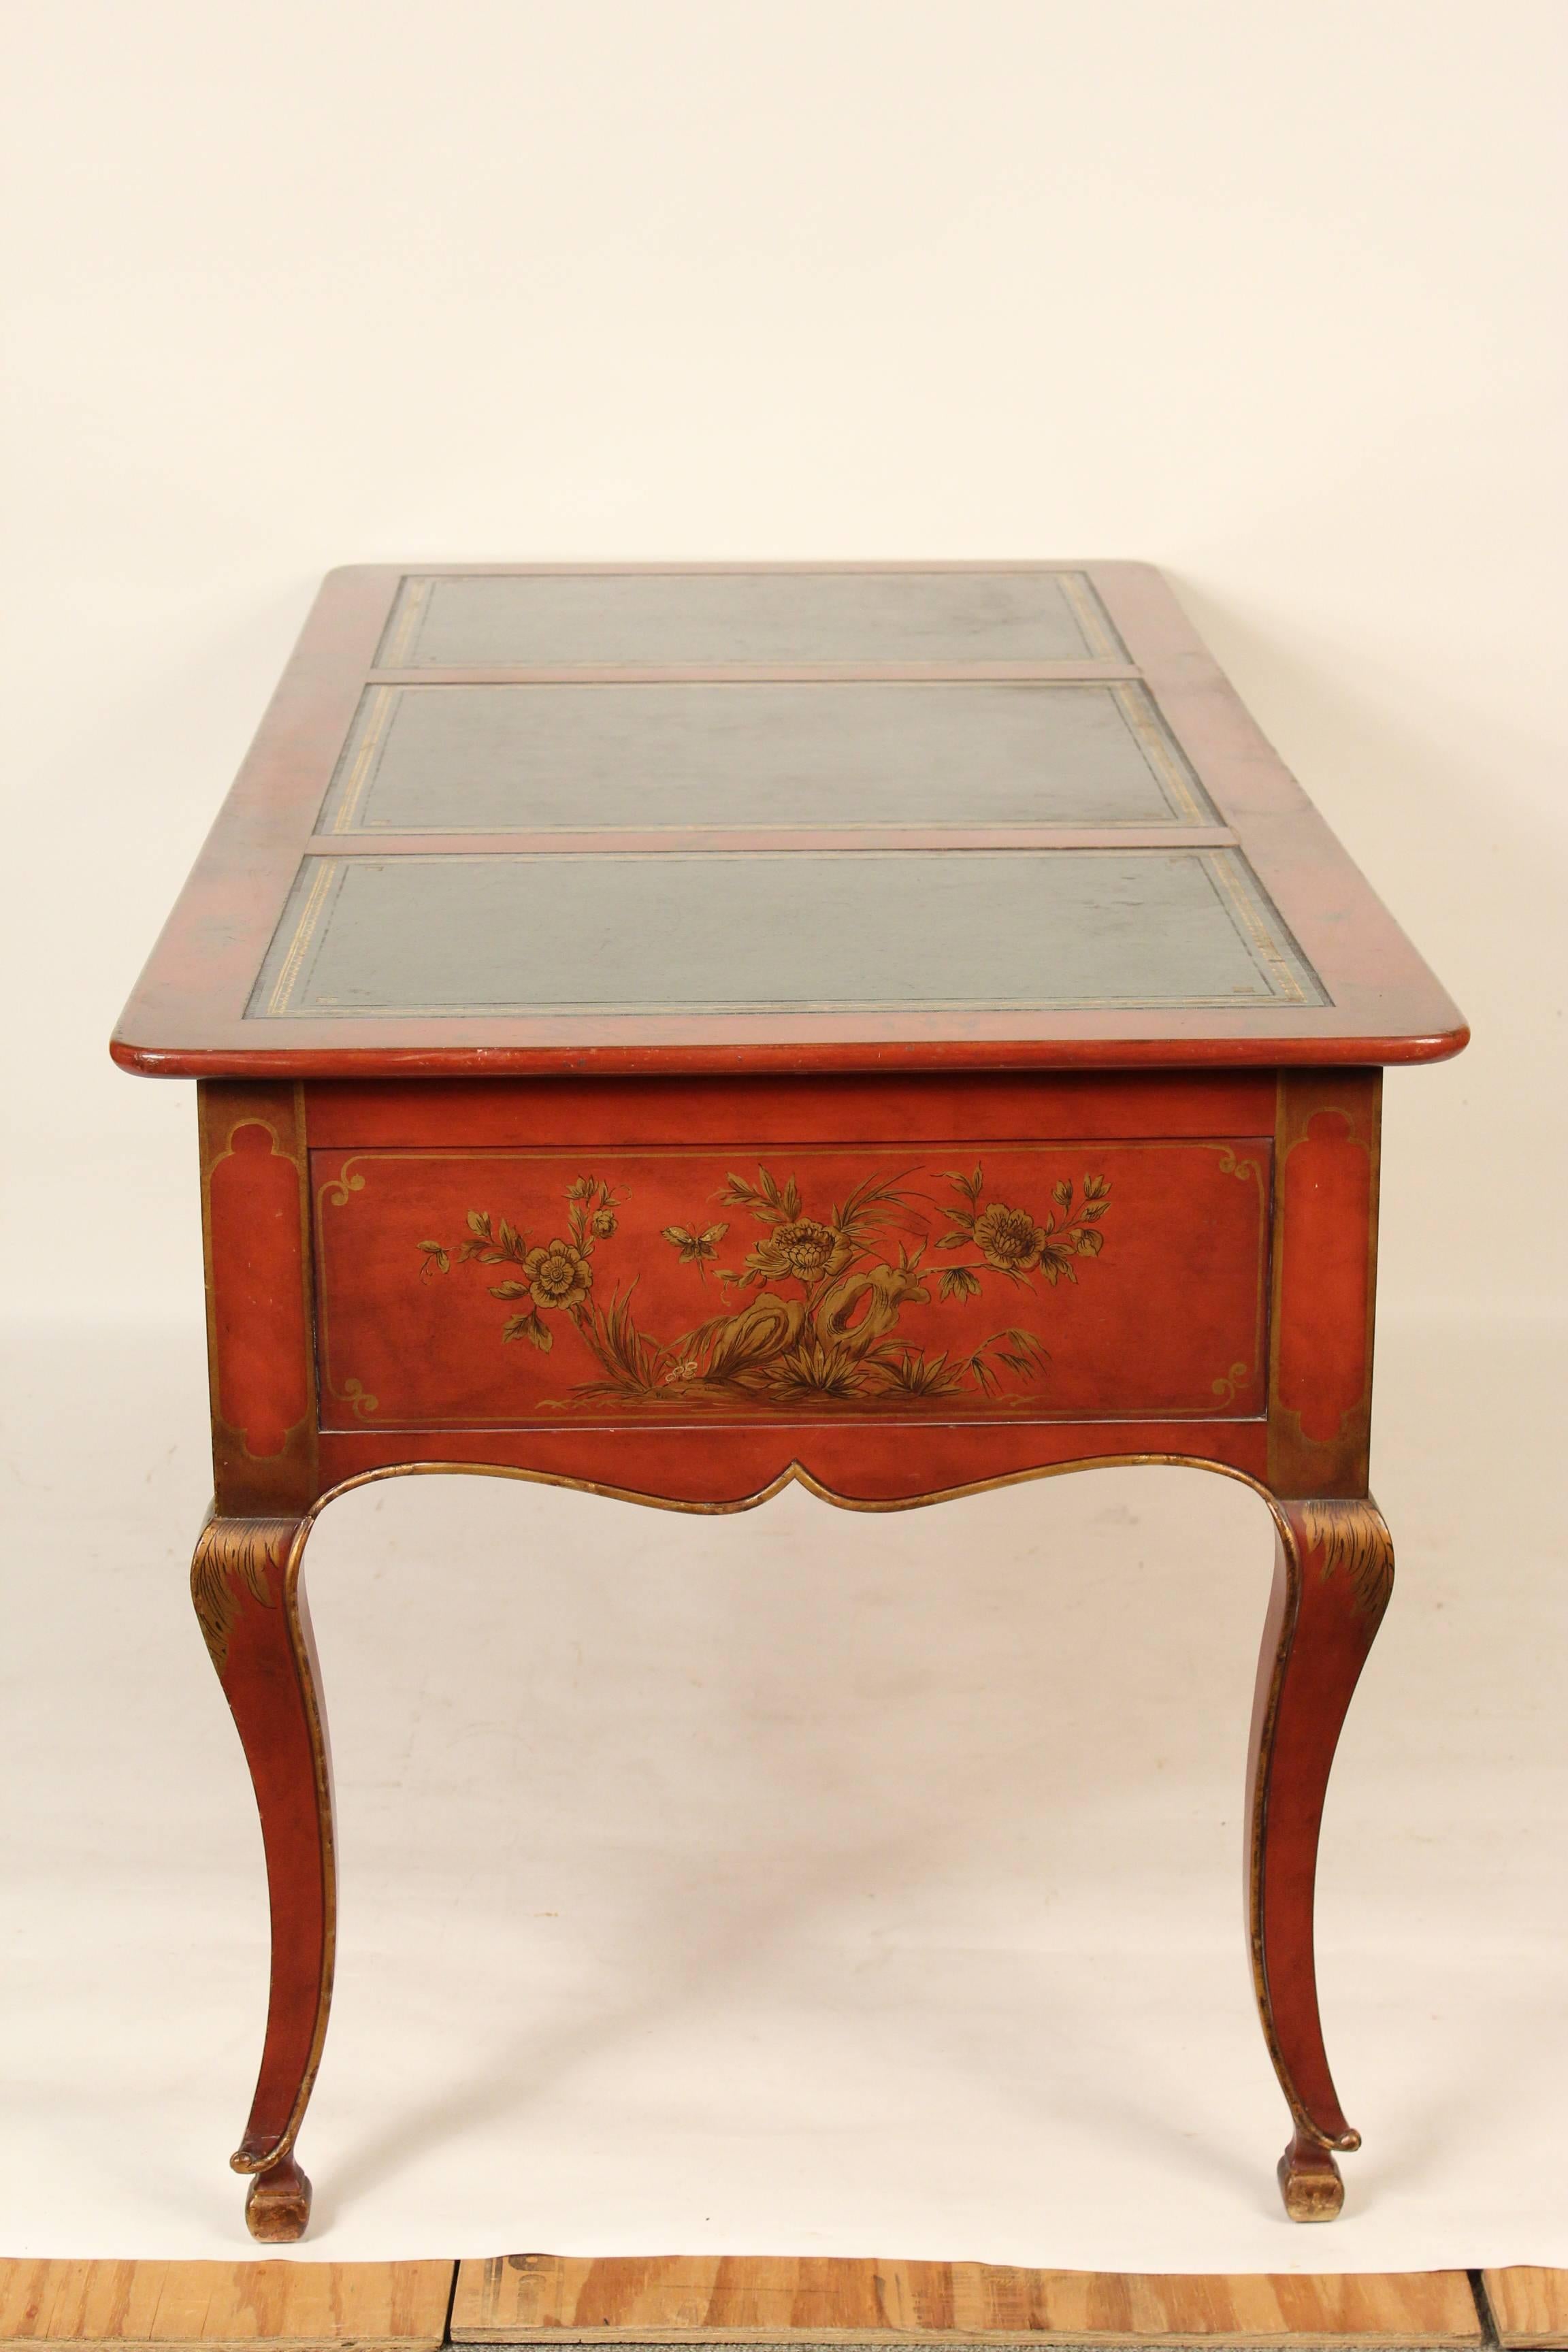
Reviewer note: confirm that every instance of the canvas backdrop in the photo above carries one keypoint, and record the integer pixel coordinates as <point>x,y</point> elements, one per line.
<point>801,1881</point>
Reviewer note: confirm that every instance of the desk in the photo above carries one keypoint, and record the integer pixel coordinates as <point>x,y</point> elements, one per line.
<point>673,1031</point>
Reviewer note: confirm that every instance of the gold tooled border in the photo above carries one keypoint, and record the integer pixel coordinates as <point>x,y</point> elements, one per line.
<point>1142,717</point>
<point>1081,598</point>
<point>329,873</point>
<point>1226,868</point>
<point>373,721</point>
<point>406,622</point>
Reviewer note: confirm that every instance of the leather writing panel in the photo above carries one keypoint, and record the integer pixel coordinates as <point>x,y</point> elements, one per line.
<point>498,759</point>
<point>651,620</point>
<point>755,931</point>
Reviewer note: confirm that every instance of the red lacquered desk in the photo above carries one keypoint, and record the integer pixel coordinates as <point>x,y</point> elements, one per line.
<point>673,1031</point>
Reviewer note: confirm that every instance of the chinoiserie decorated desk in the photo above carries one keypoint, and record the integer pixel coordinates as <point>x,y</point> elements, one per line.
<point>672,1031</point>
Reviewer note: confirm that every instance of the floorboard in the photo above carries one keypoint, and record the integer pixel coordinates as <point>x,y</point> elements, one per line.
<point>530,2298</point>
<point>273,2306</point>
<point>1529,2306</point>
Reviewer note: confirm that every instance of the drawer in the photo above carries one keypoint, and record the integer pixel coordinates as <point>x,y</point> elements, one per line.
<point>508,1287</point>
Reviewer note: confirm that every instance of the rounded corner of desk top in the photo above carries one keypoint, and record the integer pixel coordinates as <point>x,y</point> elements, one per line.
<point>140,1061</point>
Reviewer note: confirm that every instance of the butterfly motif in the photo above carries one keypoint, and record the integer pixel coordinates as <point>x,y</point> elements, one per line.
<point>695,1248</point>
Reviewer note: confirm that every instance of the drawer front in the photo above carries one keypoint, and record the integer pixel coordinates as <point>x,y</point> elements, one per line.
<point>505,1288</point>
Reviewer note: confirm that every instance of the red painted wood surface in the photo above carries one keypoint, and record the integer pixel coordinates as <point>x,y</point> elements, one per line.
<point>260,1318</point>
<point>254,1209</point>
<point>1325,1284</point>
<point>1100,1279</point>
<point>858,1464</point>
<point>884,1107</point>
<point>1326,1150</point>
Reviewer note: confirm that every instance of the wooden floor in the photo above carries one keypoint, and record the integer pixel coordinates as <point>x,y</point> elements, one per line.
<point>280,2306</point>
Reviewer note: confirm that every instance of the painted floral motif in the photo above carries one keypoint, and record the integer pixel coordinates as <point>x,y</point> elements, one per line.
<point>556,1276</point>
<point>1011,1241</point>
<point>830,1285</point>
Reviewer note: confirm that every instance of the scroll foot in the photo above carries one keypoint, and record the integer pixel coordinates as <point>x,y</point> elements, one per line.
<point>1309,2181</point>
<point>277,2204</point>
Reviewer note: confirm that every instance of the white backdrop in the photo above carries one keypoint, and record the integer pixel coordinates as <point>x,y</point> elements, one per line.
<point>1271,297</point>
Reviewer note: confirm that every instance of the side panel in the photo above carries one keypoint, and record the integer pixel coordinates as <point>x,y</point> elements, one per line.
<point>467,1288</point>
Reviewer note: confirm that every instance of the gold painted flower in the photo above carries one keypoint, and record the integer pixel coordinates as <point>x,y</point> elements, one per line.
<point>1008,1239</point>
<point>802,1249</point>
<point>558,1275</point>
<point>602,1223</point>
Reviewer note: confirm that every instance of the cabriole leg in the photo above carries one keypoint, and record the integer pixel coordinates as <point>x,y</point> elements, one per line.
<point>1333,1573</point>
<point>245,1584</point>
